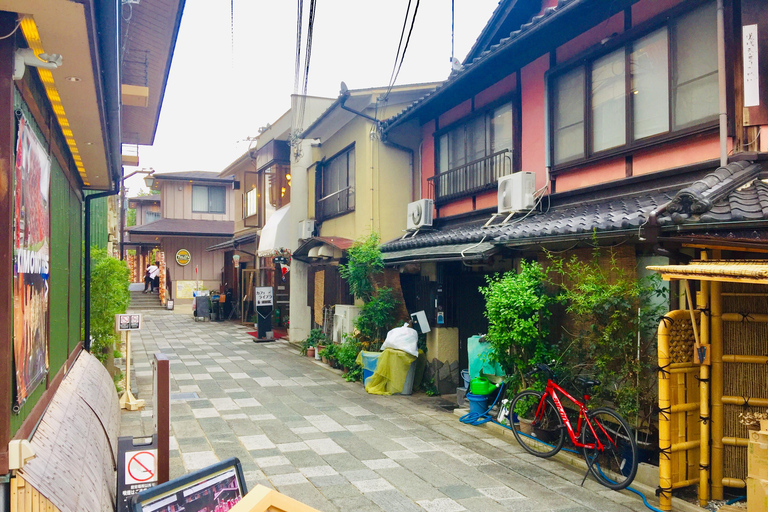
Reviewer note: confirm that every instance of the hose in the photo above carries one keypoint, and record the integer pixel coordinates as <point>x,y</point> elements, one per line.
<point>473,418</point>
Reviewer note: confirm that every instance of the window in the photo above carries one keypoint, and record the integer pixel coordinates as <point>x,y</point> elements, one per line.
<point>252,202</point>
<point>671,77</point>
<point>208,199</point>
<point>475,154</point>
<point>151,217</point>
<point>335,186</point>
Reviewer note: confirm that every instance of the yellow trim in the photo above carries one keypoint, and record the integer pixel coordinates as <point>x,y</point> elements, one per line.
<point>31,34</point>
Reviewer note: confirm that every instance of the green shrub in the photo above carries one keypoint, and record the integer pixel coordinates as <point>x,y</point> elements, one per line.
<point>316,337</point>
<point>377,316</point>
<point>346,354</point>
<point>517,308</point>
<point>110,278</point>
<point>364,261</point>
<point>615,316</point>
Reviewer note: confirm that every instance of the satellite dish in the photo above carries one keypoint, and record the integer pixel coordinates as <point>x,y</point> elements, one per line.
<point>344,88</point>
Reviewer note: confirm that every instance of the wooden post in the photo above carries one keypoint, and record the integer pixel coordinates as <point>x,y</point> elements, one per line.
<point>128,401</point>
<point>162,415</point>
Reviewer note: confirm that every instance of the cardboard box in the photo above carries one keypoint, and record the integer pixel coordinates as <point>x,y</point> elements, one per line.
<point>757,495</point>
<point>757,455</point>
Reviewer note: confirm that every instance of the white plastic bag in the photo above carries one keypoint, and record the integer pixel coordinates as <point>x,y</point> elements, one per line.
<point>403,338</point>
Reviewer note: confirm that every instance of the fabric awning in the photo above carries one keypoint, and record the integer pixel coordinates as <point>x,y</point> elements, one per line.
<point>736,271</point>
<point>451,252</point>
<point>276,233</point>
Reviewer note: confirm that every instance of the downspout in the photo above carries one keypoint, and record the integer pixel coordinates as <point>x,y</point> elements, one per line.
<point>721,84</point>
<point>109,51</point>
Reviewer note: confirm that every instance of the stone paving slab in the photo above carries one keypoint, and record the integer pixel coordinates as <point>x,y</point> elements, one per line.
<point>298,427</point>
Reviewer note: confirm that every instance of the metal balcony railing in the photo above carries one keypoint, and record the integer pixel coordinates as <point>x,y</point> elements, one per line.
<point>473,177</point>
<point>335,204</point>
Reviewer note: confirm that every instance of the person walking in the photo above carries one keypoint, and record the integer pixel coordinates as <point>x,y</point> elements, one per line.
<point>147,281</point>
<point>154,277</point>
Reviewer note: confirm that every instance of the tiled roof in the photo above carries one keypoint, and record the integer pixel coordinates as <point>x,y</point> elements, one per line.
<point>182,227</point>
<point>734,192</point>
<point>152,198</point>
<point>468,67</point>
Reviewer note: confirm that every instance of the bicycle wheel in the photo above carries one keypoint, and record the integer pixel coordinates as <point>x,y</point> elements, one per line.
<point>615,465</point>
<point>542,435</point>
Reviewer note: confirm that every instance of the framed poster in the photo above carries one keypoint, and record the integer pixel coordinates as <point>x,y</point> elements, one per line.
<point>216,488</point>
<point>31,250</point>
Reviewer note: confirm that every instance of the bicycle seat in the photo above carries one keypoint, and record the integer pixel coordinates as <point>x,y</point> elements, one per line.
<point>585,382</point>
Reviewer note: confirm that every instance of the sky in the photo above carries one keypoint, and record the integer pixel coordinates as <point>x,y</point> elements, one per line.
<point>221,88</point>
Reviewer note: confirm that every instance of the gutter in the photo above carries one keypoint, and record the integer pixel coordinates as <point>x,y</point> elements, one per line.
<point>107,16</point>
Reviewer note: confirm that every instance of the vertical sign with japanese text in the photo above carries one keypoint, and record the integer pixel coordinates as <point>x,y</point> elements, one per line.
<point>31,245</point>
<point>751,66</point>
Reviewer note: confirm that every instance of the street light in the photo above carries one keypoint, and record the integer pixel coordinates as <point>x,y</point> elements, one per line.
<point>149,180</point>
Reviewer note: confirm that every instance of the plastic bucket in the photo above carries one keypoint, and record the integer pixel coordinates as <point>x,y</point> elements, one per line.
<point>370,360</point>
<point>477,403</point>
<point>465,376</point>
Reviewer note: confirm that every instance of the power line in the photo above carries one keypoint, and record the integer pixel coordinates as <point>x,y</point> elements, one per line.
<point>297,66</point>
<point>399,44</point>
<point>405,48</point>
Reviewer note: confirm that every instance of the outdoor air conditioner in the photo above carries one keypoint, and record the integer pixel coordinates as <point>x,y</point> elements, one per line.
<point>516,192</point>
<point>306,229</point>
<point>420,214</point>
<point>344,317</point>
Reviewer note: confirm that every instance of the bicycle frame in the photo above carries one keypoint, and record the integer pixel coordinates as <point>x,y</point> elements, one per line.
<point>551,390</point>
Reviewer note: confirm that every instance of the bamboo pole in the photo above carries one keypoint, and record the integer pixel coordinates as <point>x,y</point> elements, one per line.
<point>716,430</point>
<point>750,317</point>
<point>734,358</point>
<point>665,441</point>
<point>745,400</point>
<point>704,400</point>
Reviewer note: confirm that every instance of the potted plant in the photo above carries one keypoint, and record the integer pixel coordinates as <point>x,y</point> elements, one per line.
<point>328,353</point>
<point>313,342</point>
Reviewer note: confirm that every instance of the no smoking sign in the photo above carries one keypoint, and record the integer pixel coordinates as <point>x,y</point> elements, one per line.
<point>141,467</point>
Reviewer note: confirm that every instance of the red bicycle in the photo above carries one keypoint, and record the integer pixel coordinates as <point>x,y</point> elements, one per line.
<point>607,442</point>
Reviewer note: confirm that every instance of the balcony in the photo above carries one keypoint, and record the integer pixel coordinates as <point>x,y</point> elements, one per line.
<point>474,177</point>
<point>335,204</point>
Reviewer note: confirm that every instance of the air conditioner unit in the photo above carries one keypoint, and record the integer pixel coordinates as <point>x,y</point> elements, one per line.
<point>344,317</point>
<point>306,229</point>
<point>420,214</point>
<point>516,192</point>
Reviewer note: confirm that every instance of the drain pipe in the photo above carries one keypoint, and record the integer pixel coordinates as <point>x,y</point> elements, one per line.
<point>87,270</point>
<point>723,104</point>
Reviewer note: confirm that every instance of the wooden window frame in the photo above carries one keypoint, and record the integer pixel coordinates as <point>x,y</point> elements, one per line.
<point>208,210</point>
<point>319,197</point>
<point>586,59</point>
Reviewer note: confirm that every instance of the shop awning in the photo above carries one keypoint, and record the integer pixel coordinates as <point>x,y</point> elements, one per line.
<point>451,252</point>
<point>736,271</point>
<point>322,248</point>
<point>276,233</point>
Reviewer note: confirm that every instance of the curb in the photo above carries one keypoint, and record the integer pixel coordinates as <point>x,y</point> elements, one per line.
<point>643,482</point>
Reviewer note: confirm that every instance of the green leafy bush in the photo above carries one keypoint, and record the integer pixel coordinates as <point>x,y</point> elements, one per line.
<point>517,308</point>
<point>377,316</point>
<point>316,337</point>
<point>364,261</point>
<point>346,354</point>
<point>110,278</point>
<point>614,316</point>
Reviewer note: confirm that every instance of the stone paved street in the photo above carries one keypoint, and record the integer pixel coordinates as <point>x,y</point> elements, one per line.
<point>298,427</point>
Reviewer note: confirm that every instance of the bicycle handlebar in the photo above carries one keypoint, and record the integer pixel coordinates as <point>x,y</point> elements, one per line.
<point>541,367</point>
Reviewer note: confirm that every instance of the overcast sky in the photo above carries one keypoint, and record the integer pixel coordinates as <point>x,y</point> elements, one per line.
<point>215,97</point>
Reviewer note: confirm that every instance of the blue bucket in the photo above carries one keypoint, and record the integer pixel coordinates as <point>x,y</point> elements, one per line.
<point>370,361</point>
<point>478,404</point>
